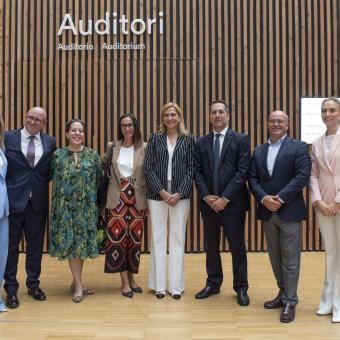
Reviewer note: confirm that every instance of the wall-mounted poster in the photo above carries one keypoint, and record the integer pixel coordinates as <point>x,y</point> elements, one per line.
<point>311,123</point>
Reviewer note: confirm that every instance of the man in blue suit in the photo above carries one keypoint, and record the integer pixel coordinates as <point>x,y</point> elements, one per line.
<point>221,165</point>
<point>29,153</point>
<point>280,169</point>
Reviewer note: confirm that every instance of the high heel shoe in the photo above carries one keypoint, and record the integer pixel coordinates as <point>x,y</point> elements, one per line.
<point>137,289</point>
<point>86,291</point>
<point>160,295</point>
<point>128,294</point>
<point>77,298</point>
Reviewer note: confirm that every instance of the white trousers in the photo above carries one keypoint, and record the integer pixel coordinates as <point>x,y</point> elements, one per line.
<point>330,231</point>
<point>160,212</point>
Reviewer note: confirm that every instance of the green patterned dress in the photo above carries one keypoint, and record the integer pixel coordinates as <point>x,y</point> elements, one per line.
<point>73,226</point>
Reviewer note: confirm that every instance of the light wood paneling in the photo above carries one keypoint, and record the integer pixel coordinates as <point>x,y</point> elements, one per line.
<point>258,55</point>
<point>108,315</point>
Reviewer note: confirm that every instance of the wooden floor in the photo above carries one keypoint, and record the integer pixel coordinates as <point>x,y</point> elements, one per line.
<point>108,315</point>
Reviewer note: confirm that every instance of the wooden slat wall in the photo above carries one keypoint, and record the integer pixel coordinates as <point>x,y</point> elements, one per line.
<point>259,55</point>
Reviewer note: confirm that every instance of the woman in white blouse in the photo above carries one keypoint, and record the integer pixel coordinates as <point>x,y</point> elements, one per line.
<point>325,195</point>
<point>126,204</point>
<point>168,171</point>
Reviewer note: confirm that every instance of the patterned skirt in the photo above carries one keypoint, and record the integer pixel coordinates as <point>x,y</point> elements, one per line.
<point>125,226</point>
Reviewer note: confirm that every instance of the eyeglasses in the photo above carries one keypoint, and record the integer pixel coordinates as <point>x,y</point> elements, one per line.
<point>126,126</point>
<point>277,121</point>
<point>34,120</point>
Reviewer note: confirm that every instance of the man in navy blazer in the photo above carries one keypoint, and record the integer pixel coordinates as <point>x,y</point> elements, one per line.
<point>280,169</point>
<point>221,165</point>
<point>29,153</point>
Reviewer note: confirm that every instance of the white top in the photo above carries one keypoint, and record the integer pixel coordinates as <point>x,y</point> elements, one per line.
<point>171,152</point>
<point>328,143</point>
<point>25,139</point>
<point>1,162</point>
<point>222,135</point>
<point>125,161</point>
<point>273,150</point>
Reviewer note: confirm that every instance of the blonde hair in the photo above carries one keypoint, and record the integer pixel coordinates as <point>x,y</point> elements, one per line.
<point>333,99</point>
<point>181,128</point>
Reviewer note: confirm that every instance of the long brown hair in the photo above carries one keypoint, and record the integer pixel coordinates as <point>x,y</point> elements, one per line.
<point>137,136</point>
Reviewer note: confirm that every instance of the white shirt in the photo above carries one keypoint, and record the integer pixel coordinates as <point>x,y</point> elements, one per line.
<point>273,150</point>
<point>25,139</point>
<point>171,152</point>
<point>328,143</point>
<point>1,162</point>
<point>222,135</point>
<point>125,161</point>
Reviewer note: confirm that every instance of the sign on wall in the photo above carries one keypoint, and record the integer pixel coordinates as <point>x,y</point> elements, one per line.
<point>311,123</point>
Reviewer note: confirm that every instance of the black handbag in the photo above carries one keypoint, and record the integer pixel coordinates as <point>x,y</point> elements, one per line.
<point>104,180</point>
<point>102,231</point>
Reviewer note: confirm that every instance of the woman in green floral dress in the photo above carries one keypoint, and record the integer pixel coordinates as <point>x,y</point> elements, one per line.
<point>73,232</point>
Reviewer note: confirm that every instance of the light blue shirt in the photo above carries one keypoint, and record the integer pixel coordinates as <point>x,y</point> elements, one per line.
<point>273,150</point>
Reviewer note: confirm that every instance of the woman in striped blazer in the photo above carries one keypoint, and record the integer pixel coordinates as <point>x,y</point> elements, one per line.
<point>168,170</point>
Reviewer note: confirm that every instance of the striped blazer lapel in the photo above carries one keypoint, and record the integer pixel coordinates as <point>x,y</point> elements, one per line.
<point>161,141</point>
<point>180,141</point>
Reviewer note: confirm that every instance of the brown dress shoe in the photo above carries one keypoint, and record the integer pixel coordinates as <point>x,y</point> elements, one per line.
<point>275,303</point>
<point>287,313</point>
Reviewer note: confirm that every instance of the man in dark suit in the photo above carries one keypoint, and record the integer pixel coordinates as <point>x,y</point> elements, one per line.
<point>280,169</point>
<point>222,161</point>
<point>28,152</point>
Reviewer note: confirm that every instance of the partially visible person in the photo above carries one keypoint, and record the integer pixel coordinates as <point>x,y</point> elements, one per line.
<point>280,169</point>
<point>4,211</point>
<point>29,153</point>
<point>222,160</point>
<point>75,173</point>
<point>168,170</point>
<point>325,195</point>
<point>126,204</point>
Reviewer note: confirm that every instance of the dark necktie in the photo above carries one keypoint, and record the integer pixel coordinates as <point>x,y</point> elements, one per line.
<point>216,162</point>
<point>31,152</point>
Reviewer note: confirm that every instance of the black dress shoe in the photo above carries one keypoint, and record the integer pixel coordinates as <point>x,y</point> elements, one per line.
<point>287,313</point>
<point>12,300</point>
<point>206,292</point>
<point>160,295</point>
<point>243,298</point>
<point>36,293</point>
<point>137,289</point>
<point>176,296</point>
<point>128,294</point>
<point>275,303</point>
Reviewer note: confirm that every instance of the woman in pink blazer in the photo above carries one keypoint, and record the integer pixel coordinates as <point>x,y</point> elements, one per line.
<point>325,195</point>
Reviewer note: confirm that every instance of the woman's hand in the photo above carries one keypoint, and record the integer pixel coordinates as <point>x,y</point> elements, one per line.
<point>331,210</point>
<point>173,199</point>
<point>321,205</point>
<point>165,195</point>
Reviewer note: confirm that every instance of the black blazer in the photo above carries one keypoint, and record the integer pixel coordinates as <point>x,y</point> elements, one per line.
<point>21,179</point>
<point>156,165</point>
<point>232,171</point>
<point>290,175</point>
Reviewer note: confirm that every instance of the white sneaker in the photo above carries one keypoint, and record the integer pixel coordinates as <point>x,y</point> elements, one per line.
<point>2,307</point>
<point>336,318</point>
<point>321,312</point>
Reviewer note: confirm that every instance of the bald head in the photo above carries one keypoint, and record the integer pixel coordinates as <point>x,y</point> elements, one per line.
<point>277,125</point>
<point>35,120</point>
